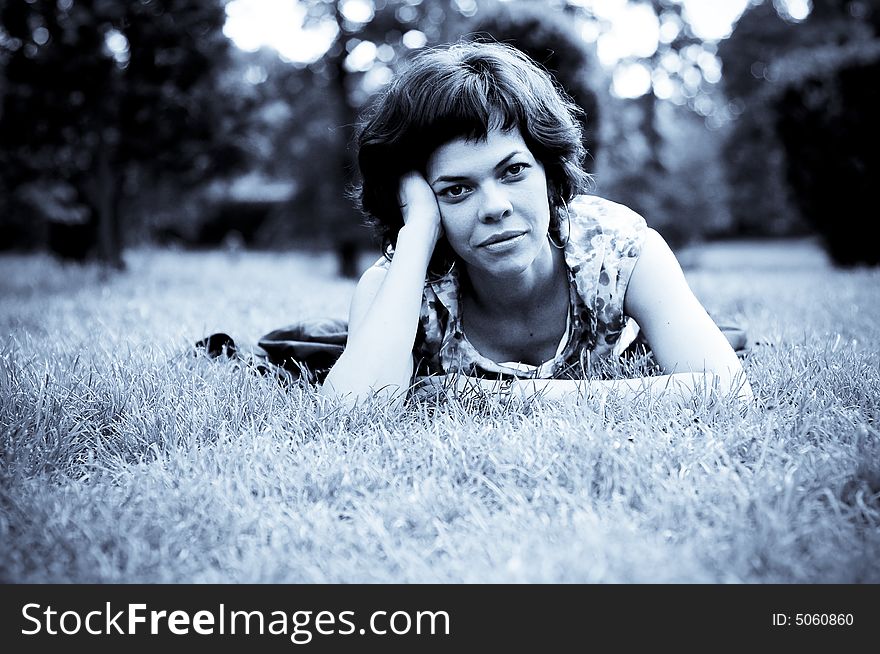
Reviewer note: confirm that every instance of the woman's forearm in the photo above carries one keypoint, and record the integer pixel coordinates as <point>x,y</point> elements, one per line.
<point>378,355</point>
<point>686,385</point>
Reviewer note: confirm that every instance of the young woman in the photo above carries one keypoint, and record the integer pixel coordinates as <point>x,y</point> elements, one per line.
<point>501,272</point>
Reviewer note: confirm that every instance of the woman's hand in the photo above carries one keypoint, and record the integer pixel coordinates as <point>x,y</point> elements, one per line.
<point>450,385</point>
<point>419,207</point>
<point>458,385</point>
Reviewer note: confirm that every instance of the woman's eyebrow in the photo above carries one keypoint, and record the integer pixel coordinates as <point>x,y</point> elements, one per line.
<point>459,178</point>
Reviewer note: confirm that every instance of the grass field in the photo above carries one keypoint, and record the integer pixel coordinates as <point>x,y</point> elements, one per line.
<point>123,459</point>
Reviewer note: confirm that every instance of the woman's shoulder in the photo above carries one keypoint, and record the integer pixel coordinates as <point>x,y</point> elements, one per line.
<point>593,212</point>
<point>605,241</point>
<point>600,228</point>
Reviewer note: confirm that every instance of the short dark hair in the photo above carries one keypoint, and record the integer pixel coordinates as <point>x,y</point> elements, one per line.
<point>464,90</point>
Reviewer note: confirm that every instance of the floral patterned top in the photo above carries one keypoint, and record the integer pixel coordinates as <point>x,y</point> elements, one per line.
<point>604,244</point>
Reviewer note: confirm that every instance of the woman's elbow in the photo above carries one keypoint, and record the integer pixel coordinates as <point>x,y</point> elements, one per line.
<point>340,390</point>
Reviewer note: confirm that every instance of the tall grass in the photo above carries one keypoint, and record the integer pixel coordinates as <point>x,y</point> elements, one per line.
<point>125,459</point>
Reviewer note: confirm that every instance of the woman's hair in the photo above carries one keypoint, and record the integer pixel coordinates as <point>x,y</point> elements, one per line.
<point>464,90</point>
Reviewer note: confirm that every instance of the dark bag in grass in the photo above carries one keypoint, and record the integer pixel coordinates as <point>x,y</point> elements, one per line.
<point>307,349</point>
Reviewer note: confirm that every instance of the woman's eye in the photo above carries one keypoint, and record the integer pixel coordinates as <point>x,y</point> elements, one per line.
<point>516,169</point>
<point>454,191</point>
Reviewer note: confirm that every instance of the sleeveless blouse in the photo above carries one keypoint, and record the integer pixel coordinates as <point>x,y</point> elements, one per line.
<point>604,244</point>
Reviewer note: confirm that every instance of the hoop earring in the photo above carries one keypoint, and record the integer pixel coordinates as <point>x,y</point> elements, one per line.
<point>435,277</point>
<point>451,268</point>
<point>561,246</point>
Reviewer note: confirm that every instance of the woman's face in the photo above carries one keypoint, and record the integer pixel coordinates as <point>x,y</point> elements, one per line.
<point>493,201</point>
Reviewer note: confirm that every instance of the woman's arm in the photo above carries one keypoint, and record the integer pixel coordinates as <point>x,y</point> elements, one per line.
<point>384,311</point>
<point>682,336</point>
<point>682,386</point>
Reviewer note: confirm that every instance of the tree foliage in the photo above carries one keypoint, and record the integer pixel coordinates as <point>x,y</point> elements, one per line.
<point>806,95</point>
<point>99,94</point>
<point>827,124</point>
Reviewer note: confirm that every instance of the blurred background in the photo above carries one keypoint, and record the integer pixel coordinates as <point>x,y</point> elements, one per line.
<point>214,123</point>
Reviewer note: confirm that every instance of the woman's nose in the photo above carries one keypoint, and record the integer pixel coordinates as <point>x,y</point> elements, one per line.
<point>495,204</point>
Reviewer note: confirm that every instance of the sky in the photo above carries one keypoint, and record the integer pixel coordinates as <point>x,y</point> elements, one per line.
<point>634,32</point>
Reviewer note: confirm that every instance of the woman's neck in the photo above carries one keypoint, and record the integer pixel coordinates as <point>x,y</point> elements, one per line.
<point>525,292</point>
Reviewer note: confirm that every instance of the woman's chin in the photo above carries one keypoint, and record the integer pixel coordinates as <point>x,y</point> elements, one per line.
<point>518,260</point>
<point>511,265</point>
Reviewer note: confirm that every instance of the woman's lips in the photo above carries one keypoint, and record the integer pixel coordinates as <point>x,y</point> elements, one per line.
<point>502,240</point>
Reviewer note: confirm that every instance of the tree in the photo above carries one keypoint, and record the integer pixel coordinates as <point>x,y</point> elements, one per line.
<point>97,91</point>
<point>805,92</point>
<point>826,122</point>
